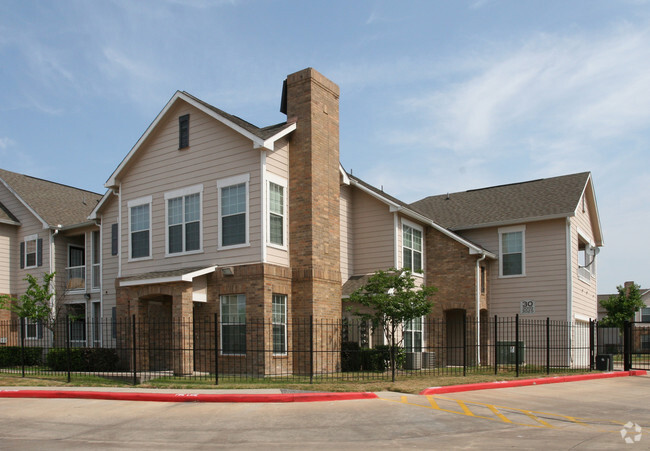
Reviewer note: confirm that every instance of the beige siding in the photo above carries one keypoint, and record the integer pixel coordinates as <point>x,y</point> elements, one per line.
<point>277,163</point>
<point>8,257</point>
<point>545,281</point>
<point>215,152</point>
<point>109,216</point>
<point>373,231</point>
<point>347,234</point>
<point>584,290</point>
<point>29,226</point>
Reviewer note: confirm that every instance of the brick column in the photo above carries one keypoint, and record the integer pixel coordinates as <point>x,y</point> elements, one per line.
<point>183,329</point>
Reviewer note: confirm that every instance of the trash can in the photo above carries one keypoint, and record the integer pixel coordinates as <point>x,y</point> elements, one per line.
<point>604,362</point>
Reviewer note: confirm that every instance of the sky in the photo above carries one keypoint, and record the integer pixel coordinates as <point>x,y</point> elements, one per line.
<point>436,96</point>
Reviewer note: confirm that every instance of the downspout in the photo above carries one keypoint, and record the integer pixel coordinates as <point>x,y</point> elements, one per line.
<point>569,285</point>
<point>478,307</point>
<point>396,237</point>
<point>264,205</point>
<point>120,224</point>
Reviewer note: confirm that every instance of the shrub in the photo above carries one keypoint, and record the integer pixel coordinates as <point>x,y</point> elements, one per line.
<point>83,359</point>
<point>12,356</point>
<point>350,356</point>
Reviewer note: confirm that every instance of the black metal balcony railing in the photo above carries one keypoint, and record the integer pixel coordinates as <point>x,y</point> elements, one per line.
<point>312,350</point>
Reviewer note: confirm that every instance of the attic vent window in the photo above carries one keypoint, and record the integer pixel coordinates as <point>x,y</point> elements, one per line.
<point>184,131</point>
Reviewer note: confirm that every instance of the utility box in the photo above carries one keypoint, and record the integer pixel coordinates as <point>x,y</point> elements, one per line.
<point>413,360</point>
<point>507,352</point>
<point>428,360</point>
<point>604,362</point>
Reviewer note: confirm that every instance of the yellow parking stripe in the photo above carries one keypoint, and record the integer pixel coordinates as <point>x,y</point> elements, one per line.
<point>500,413</point>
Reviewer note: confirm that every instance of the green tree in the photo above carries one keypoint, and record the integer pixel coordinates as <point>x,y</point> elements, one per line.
<point>393,299</point>
<point>36,303</point>
<point>621,307</point>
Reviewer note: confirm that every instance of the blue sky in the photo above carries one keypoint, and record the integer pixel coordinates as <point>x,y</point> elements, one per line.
<point>436,96</point>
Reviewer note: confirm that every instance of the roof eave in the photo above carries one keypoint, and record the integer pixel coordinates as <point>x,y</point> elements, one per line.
<point>93,214</point>
<point>269,143</point>
<point>511,222</point>
<point>25,204</point>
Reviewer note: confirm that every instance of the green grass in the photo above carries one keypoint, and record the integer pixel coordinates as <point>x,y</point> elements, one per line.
<point>404,384</point>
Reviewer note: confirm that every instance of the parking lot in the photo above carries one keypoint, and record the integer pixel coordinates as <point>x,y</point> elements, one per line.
<point>576,415</point>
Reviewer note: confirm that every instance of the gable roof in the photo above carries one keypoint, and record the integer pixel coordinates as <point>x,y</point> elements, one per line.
<point>52,203</point>
<point>547,198</point>
<point>7,217</point>
<point>262,138</point>
<point>397,205</point>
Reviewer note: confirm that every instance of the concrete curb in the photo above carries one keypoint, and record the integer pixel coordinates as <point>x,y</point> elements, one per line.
<point>188,397</point>
<point>527,382</point>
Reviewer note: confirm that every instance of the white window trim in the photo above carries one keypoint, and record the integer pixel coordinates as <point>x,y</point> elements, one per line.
<point>286,348</point>
<point>224,183</point>
<point>584,238</point>
<point>135,203</point>
<point>33,237</point>
<point>68,267</point>
<point>502,230</point>
<point>411,331</point>
<point>414,226</point>
<point>272,178</point>
<point>196,189</point>
<point>221,323</point>
<point>92,261</point>
<point>38,325</point>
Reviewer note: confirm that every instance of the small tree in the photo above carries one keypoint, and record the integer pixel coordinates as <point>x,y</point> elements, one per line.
<point>36,303</point>
<point>621,307</point>
<point>394,299</point>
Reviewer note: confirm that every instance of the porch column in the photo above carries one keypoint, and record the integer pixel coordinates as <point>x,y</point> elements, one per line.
<point>183,330</point>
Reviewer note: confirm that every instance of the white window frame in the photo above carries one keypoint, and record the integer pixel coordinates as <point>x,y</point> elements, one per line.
<point>412,332</point>
<point>420,229</point>
<point>96,255</point>
<point>33,238</point>
<point>641,315</point>
<point>196,189</point>
<point>280,181</point>
<point>222,323</point>
<point>503,231</point>
<point>83,268</point>
<point>225,183</point>
<point>585,273</point>
<point>38,325</point>
<point>282,324</point>
<point>147,200</point>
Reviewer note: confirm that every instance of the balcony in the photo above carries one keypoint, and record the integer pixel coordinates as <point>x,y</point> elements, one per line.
<point>76,278</point>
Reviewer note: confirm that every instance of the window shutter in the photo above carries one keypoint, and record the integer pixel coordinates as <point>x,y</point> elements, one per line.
<point>113,239</point>
<point>22,254</point>
<point>183,131</point>
<point>39,252</point>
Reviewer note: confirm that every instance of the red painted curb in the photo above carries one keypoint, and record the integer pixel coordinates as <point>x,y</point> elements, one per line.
<point>187,397</point>
<point>526,382</point>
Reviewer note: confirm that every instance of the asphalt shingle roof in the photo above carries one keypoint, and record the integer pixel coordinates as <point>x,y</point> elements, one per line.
<point>6,215</point>
<point>263,133</point>
<point>54,203</point>
<point>535,199</point>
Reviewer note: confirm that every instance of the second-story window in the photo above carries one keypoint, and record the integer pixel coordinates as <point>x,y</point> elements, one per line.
<point>411,248</point>
<point>140,228</point>
<point>184,220</point>
<point>76,268</point>
<point>511,251</point>
<point>31,252</point>
<point>233,211</point>
<point>96,248</point>
<point>277,212</point>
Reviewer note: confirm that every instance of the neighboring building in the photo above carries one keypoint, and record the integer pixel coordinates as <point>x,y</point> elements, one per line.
<point>610,339</point>
<point>642,316</point>
<point>210,216</point>
<point>44,228</point>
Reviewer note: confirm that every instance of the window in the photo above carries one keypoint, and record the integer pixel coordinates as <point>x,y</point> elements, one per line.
<point>511,251</point>
<point>140,224</point>
<point>114,237</point>
<point>279,320</point>
<point>645,342</point>
<point>33,329</point>
<point>184,131</point>
<point>233,211</point>
<point>411,247</point>
<point>76,268</point>
<point>96,269</point>
<point>233,324</point>
<point>77,315</point>
<point>31,252</point>
<point>586,258</point>
<point>482,279</point>
<point>645,315</point>
<point>413,335</point>
<point>184,220</point>
<point>277,212</point>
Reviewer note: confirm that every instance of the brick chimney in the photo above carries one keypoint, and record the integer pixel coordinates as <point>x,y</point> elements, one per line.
<point>314,195</point>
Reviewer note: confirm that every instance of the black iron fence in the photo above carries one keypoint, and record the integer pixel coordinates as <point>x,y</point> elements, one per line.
<point>307,350</point>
